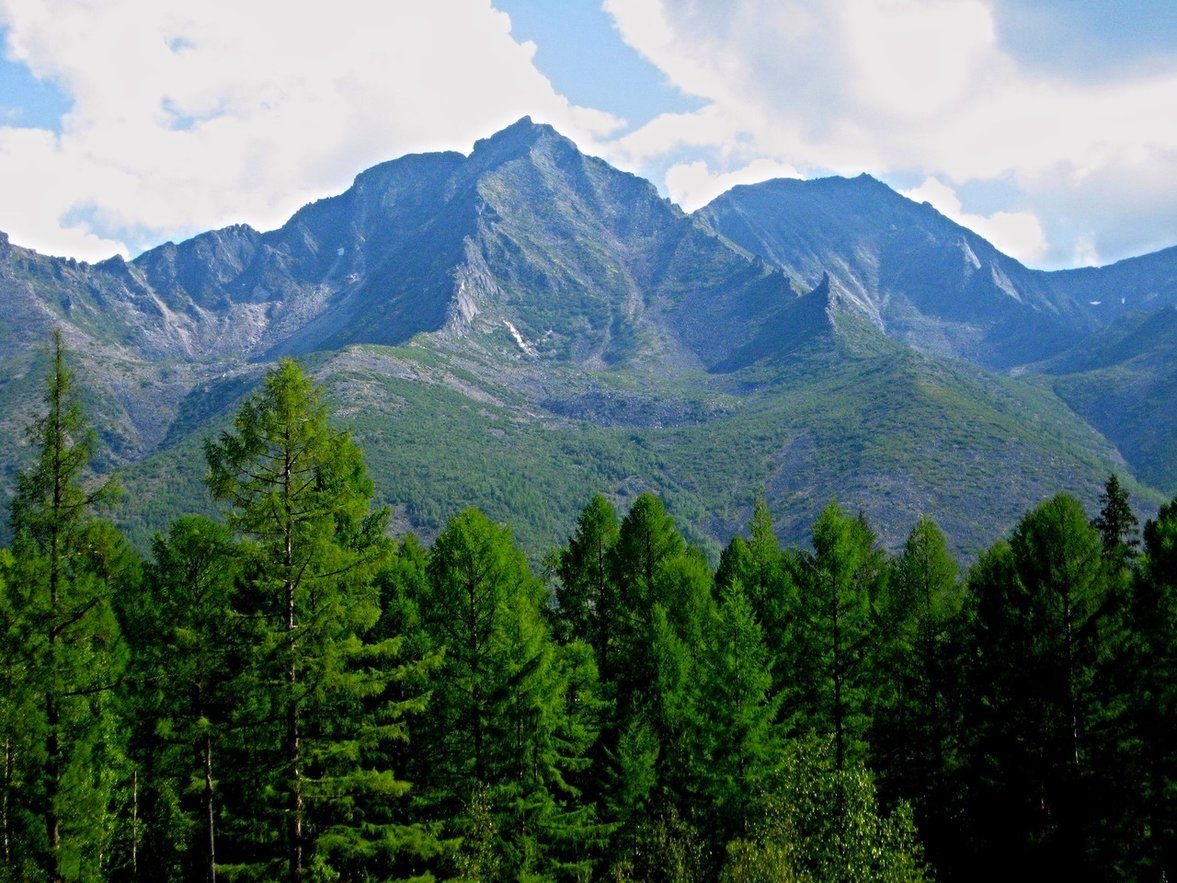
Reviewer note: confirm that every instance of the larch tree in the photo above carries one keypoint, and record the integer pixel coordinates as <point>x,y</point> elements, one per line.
<point>188,646</point>
<point>298,495</point>
<point>507,723</point>
<point>760,566</point>
<point>916,708</point>
<point>1035,706</point>
<point>1153,694</point>
<point>834,621</point>
<point>737,738</point>
<point>62,624</point>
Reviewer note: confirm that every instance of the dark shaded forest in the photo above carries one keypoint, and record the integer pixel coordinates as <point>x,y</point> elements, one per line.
<point>287,693</point>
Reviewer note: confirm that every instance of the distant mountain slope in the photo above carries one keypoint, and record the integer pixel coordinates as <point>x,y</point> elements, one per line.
<point>526,325</point>
<point>849,414</point>
<point>1123,381</point>
<point>1140,284</point>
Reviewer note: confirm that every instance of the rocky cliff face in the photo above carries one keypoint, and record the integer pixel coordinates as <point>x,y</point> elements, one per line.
<point>916,274</point>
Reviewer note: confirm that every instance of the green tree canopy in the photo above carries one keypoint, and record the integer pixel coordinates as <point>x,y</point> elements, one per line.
<point>298,495</point>
<point>62,628</point>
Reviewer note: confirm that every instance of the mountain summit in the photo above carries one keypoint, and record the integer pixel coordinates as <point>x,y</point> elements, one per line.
<point>527,314</point>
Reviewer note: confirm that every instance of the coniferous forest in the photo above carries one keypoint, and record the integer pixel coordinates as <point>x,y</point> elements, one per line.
<point>287,693</point>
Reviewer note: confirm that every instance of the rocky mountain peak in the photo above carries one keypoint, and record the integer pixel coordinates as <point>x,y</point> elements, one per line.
<point>520,136</point>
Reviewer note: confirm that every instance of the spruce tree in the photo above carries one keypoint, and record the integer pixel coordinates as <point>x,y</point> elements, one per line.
<point>586,596</point>
<point>1117,524</point>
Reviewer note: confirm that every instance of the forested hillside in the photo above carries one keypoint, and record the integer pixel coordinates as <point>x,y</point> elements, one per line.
<point>287,692</point>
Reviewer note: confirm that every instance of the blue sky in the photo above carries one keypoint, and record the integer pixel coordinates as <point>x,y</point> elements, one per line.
<point>1045,125</point>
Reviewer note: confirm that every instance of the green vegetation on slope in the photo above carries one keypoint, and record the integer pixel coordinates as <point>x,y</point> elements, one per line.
<point>286,693</point>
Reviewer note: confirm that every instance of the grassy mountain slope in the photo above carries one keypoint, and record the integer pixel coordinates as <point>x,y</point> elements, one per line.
<point>1124,383</point>
<point>850,415</point>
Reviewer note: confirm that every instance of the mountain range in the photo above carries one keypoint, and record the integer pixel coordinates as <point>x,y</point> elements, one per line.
<point>524,326</point>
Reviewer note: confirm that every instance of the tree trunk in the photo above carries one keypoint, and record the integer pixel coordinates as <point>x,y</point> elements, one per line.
<point>5,819</point>
<point>295,797</point>
<point>293,746</point>
<point>52,713</point>
<point>1069,649</point>
<point>52,785</point>
<point>839,746</point>
<point>210,867</point>
<point>135,824</point>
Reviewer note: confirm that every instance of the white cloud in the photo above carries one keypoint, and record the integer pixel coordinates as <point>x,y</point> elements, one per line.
<point>1018,234</point>
<point>924,86</point>
<point>693,185</point>
<point>190,116</point>
<point>1085,254</point>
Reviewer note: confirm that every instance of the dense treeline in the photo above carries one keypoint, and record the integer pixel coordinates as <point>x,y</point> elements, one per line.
<point>286,693</point>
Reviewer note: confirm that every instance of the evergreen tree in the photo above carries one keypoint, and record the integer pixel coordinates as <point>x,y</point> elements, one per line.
<point>505,726</point>
<point>659,837</point>
<point>765,574</point>
<point>757,564</point>
<point>298,494</point>
<point>586,597</point>
<point>61,741</point>
<point>1117,524</point>
<point>835,630</point>
<point>647,541</point>
<point>737,741</point>
<point>1152,668</point>
<point>14,823</point>
<point>1034,693</point>
<point>188,645</point>
<point>916,715</point>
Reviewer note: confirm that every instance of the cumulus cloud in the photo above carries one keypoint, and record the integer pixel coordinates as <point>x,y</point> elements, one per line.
<point>190,116</point>
<point>925,87</point>
<point>187,116</point>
